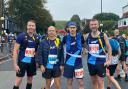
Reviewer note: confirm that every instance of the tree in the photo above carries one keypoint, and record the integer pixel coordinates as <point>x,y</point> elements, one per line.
<point>106,16</point>
<point>76,19</point>
<point>23,10</point>
<point>109,20</point>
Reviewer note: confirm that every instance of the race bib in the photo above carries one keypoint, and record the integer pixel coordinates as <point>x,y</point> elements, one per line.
<point>52,59</point>
<point>94,48</point>
<point>30,52</point>
<point>79,73</point>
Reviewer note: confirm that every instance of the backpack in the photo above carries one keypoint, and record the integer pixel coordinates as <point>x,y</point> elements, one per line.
<point>122,43</point>
<point>24,43</point>
<point>114,45</point>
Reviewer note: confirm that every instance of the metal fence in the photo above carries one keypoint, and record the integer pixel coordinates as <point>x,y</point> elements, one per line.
<point>6,49</point>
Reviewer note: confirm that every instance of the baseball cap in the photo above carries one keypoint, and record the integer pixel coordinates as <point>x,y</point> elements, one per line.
<point>71,24</point>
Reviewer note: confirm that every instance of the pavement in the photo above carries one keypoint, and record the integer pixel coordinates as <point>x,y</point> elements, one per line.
<point>7,78</point>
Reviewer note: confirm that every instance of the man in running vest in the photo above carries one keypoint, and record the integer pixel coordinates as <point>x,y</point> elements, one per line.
<point>96,42</point>
<point>24,55</point>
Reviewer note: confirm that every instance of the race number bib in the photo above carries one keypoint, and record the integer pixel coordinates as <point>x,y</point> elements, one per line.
<point>30,52</point>
<point>79,73</point>
<point>52,59</point>
<point>94,48</point>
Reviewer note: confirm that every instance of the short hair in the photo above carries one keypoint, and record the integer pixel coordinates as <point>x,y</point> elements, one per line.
<point>92,20</point>
<point>31,20</point>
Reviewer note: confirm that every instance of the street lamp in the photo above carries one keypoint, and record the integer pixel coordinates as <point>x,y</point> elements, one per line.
<point>101,24</point>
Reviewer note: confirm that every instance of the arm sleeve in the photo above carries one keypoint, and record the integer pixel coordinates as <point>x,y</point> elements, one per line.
<point>19,39</point>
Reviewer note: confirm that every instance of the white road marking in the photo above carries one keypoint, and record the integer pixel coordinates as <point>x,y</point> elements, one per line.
<point>5,61</point>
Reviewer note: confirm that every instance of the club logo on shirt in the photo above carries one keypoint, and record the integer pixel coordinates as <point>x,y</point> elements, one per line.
<point>30,41</point>
<point>53,47</point>
<point>94,42</point>
<point>73,43</point>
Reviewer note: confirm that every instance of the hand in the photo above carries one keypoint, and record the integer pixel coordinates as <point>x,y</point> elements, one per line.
<point>107,63</point>
<point>84,51</point>
<point>42,68</point>
<point>17,69</point>
<point>62,68</point>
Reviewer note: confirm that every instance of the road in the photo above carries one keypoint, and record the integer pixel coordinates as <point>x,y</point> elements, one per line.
<point>7,77</point>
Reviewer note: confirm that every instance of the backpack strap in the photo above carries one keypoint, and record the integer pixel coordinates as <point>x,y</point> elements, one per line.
<point>101,43</point>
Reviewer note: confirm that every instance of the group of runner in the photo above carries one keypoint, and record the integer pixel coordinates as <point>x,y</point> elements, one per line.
<point>103,54</point>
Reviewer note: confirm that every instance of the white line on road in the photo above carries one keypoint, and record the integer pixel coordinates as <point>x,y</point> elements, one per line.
<point>5,61</point>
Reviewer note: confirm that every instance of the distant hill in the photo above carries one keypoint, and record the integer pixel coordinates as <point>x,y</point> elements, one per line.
<point>60,24</point>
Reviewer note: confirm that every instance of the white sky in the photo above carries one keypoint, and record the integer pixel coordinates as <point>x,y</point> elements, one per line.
<point>64,9</point>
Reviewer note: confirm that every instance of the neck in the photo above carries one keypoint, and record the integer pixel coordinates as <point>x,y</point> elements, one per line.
<point>95,33</point>
<point>73,34</point>
<point>30,34</point>
<point>52,38</point>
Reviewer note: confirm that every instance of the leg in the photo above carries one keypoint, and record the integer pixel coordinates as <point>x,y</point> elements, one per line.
<point>17,82</point>
<point>69,83</point>
<point>124,66</point>
<point>118,71</point>
<point>114,82</point>
<point>94,80</point>
<point>19,75</point>
<point>48,83</point>
<point>29,82</point>
<point>58,82</point>
<point>80,83</point>
<point>100,82</point>
<point>31,71</point>
<point>109,83</point>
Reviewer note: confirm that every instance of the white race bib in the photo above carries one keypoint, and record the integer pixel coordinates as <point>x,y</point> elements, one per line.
<point>30,52</point>
<point>52,59</point>
<point>94,48</point>
<point>79,73</point>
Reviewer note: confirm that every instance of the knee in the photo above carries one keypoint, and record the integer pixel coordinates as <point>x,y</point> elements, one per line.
<point>18,81</point>
<point>29,79</point>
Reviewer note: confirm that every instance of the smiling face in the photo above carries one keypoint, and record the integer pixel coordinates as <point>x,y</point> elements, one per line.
<point>94,25</point>
<point>51,31</point>
<point>31,26</point>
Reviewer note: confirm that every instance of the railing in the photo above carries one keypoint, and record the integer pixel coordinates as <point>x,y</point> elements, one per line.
<point>6,49</point>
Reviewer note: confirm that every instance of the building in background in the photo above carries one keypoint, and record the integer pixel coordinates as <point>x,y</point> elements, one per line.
<point>123,22</point>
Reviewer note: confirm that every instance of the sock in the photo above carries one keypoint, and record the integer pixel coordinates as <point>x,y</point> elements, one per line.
<point>15,87</point>
<point>29,86</point>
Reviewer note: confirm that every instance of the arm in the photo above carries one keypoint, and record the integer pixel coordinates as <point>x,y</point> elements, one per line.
<point>108,49</point>
<point>15,56</point>
<point>40,57</point>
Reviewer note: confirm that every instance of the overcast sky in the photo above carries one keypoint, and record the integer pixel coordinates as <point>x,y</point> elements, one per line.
<point>64,9</point>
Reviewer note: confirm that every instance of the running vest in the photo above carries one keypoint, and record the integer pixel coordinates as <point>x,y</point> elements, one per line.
<point>78,41</point>
<point>24,43</point>
<point>96,54</point>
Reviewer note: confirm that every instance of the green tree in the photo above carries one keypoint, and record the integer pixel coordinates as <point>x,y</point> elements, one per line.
<point>106,16</point>
<point>23,10</point>
<point>109,20</point>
